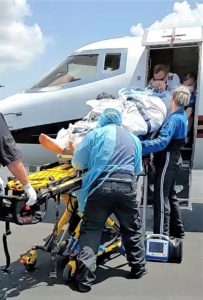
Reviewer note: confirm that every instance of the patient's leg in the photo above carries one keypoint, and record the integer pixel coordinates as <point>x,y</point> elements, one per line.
<point>50,144</point>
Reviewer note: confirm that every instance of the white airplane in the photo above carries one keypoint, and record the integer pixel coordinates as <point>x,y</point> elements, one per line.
<point>59,98</point>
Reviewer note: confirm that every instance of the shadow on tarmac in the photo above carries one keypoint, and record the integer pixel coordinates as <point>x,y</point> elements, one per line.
<point>18,279</point>
<point>193,221</point>
<point>104,272</point>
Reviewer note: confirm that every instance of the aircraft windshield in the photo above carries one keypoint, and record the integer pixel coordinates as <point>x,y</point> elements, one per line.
<point>77,67</point>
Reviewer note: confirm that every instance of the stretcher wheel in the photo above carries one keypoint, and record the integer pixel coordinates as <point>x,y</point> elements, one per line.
<point>67,273</point>
<point>30,267</point>
<point>29,259</point>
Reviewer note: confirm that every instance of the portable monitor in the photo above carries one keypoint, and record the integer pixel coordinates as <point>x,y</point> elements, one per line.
<point>157,247</point>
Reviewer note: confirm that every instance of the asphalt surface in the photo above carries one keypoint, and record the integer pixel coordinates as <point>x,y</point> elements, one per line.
<point>164,281</point>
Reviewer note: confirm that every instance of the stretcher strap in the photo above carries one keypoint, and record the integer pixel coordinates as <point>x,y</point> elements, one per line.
<point>42,178</point>
<point>8,232</point>
<point>54,248</point>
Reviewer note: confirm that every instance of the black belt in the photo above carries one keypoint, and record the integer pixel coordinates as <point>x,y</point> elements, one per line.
<point>117,177</point>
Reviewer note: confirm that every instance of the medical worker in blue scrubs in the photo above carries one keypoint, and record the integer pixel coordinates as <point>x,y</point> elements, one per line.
<point>166,146</point>
<point>112,157</point>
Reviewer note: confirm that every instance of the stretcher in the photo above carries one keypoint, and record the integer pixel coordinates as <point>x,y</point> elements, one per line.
<point>57,182</point>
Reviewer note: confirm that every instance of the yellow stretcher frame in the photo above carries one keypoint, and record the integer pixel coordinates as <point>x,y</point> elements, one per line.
<point>46,177</point>
<point>60,181</point>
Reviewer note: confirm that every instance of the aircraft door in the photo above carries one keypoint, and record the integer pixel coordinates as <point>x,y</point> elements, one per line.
<point>179,48</point>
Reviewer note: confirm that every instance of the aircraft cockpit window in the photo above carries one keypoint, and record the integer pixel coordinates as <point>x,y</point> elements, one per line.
<point>112,62</point>
<point>83,66</point>
<point>76,67</point>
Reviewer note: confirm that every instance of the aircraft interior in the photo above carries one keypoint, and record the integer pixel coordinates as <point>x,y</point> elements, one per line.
<point>181,60</point>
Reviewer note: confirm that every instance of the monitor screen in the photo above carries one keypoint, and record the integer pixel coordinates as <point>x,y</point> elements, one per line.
<point>156,247</point>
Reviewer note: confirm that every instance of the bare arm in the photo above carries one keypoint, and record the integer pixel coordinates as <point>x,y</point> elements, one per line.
<point>10,157</point>
<point>18,170</point>
<point>50,144</point>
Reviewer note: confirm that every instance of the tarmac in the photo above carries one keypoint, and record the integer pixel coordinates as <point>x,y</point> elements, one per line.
<point>164,281</point>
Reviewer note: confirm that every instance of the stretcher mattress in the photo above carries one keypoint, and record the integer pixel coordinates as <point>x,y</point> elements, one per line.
<point>45,178</point>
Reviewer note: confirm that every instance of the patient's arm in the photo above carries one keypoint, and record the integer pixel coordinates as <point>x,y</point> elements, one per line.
<point>50,144</point>
<point>53,145</point>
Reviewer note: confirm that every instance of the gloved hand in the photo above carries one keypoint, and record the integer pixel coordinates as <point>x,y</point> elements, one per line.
<point>31,194</point>
<point>2,186</point>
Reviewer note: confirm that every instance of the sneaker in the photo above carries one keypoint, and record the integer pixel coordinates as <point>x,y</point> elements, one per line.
<point>83,288</point>
<point>136,274</point>
<point>178,236</point>
<point>181,236</point>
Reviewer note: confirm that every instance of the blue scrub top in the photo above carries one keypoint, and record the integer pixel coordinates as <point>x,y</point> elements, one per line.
<point>174,128</point>
<point>106,150</point>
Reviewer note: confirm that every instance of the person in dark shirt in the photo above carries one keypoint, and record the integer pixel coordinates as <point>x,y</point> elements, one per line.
<point>190,80</point>
<point>11,158</point>
<point>166,146</point>
<point>164,80</point>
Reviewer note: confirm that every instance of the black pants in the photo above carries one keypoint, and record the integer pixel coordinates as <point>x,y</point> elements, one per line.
<point>167,216</point>
<point>120,199</point>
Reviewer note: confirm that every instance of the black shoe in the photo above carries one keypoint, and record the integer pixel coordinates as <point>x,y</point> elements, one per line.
<point>178,236</point>
<point>136,273</point>
<point>83,288</point>
<point>181,236</point>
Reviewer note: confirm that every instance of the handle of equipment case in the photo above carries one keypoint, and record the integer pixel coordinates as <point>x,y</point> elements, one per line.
<point>158,236</point>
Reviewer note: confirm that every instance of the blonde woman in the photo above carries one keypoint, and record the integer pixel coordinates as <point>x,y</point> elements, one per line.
<point>166,146</point>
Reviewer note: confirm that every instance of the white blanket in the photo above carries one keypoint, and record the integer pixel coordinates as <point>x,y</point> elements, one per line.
<point>142,113</point>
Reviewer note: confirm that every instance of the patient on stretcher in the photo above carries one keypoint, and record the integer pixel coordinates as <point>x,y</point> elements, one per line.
<point>54,145</point>
<point>143,112</point>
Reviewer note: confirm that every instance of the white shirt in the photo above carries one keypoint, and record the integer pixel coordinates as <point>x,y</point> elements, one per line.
<point>173,81</point>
